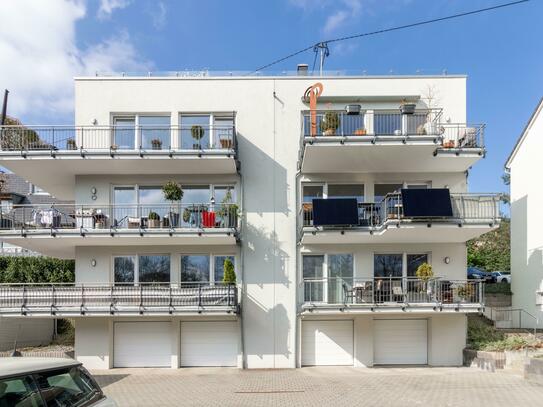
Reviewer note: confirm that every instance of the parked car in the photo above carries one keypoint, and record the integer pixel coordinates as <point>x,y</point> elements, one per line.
<point>501,277</point>
<point>41,382</point>
<point>478,274</point>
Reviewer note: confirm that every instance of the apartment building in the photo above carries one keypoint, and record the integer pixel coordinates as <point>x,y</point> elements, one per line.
<point>526,238</point>
<point>325,193</point>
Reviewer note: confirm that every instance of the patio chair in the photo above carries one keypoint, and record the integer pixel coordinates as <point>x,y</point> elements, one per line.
<point>348,294</point>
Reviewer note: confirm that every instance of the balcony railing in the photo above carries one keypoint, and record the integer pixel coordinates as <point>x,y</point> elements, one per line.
<point>391,291</point>
<point>144,298</point>
<point>119,139</point>
<point>466,208</point>
<point>374,125</point>
<point>111,218</point>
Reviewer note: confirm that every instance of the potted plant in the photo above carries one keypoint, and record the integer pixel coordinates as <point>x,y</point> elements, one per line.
<point>229,276</point>
<point>464,292</point>
<point>70,144</point>
<point>197,133</point>
<point>186,215</point>
<point>228,211</point>
<point>360,132</point>
<point>330,123</point>
<point>226,141</point>
<point>172,192</point>
<point>114,147</point>
<point>424,272</point>
<point>407,108</point>
<point>156,144</point>
<point>153,220</point>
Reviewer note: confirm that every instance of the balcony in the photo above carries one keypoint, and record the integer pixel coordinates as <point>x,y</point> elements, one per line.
<point>391,294</point>
<point>65,300</point>
<point>40,227</point>
<point>384,141</point>
<point>387,222</point>
<point>51,156</point>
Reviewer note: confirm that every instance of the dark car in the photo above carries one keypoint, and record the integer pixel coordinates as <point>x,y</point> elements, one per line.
<point>477,274</point>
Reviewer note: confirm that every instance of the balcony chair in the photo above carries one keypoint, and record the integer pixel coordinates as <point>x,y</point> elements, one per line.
<point>348,293</point>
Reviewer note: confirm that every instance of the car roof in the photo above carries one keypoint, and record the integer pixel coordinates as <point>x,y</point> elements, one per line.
<point>14,366</point>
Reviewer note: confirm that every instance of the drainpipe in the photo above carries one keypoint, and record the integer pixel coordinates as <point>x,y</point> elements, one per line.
<point>4,107</point>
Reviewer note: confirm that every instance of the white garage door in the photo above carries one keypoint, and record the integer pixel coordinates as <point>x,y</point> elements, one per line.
<point>327,343</point>
<point>142,344</point>
<point>400,342</point>
<point>209,343</point>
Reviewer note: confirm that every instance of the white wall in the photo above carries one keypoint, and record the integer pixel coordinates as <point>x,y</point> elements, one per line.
<point>527,222</point>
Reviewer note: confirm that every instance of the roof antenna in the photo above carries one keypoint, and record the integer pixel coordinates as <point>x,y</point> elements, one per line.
<point>16,353</point>
<point>322,48</point>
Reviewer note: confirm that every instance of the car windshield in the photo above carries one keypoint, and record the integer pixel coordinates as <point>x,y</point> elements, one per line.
<point>70,387</point>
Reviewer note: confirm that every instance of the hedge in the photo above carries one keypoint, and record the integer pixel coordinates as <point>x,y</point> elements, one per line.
<point>38,269</point>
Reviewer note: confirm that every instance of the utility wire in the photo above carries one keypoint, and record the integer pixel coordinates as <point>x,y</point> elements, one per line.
<point>385,30</point>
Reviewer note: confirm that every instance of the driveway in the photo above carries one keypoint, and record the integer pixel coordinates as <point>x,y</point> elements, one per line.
<point>330,386</point>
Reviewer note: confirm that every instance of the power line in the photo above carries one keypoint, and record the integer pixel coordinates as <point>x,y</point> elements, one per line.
<point>385,30</point>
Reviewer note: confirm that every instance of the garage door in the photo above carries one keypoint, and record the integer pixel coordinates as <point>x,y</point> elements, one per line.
<point>327,343</point>
<point>209,343</point>
<point>142,344</point>
<point>400,342</point>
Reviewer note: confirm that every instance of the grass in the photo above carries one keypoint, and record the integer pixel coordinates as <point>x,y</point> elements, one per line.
<point>498,288</point>
<point>483,336</point>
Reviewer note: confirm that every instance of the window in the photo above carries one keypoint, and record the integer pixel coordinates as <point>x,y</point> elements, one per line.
<point>190,139</point>
<point>149,268</point>
<point>155,132</point>
<point>20,391</point>
<point>346,191</point>
<point>151,199</point>
<point>413,263</point>
<point>313,273</point>
<point>204,267</point>
<point>6,206</point>
<point>340,273</point>
<point>124,134</point>
<point>381,190</point>
<point>68,387</point>
<point>311,192</point>
<point>36,190</point>
<point>388,265</point>
<point>223,128</point>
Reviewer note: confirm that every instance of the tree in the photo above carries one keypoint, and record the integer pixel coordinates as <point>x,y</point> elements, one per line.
<point>491,251</point>
<point>19,137</point>
<point>36,270</point>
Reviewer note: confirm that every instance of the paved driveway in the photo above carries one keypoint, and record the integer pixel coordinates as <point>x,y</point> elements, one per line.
<point>335,386</point>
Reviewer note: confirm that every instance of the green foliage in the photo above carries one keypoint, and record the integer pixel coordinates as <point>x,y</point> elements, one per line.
<point>229,272</point>
<point>465,291</point>
<point>36,270</point>
<point>186,215</point>
<point>483,336</point>
<point>172,191</point>
<point>330,121</point>
<point>228,211</point>
<point>498,288</point>
<point>425,272</point>
<point>154,216</point>
<point>197,132</point>
<point>491,251</point>
<point>20,137</point>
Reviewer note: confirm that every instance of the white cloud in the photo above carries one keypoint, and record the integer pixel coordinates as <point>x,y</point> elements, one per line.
<point>158,15</point>
<point>107,7</point>
<point>39,57</point>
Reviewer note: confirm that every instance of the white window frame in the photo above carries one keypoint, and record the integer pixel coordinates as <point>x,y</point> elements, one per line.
<point>211,257</point>
<point>325,270</point>
<point>404,258</point>
<point>137,128</point>
<point>211,124</point>
<point>137,264</point>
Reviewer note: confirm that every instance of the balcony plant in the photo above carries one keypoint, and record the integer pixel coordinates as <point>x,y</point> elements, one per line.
<point>153,220</point>
<point>464,292</point>
<point>186,215</point>
<point>229,276</point>
<point>70,144</point>
<point>197,132</point>
<point>228,211</point>
<point>360,132</point>
<point>156,144</point>
<point>172,192</point>
<point>330,123</point>
<point>424,272</point>
<point>407,107</point>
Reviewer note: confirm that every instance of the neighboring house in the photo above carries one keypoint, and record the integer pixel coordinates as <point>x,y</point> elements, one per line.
<point>326,207</point>
<point>526,224</point>
<point>19,193</point>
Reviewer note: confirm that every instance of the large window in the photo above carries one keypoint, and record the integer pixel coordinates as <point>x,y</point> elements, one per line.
<point>388,265</point>
<point>326,276</point>
<point>313,274</point>
<point>381,190</point>
<point>355,191</point>
<point>203,267</point>
<point>153,133</point>
<point>124,134</point>
<point>148,268</point>
<point>194,133</point>
<point>413,263</point>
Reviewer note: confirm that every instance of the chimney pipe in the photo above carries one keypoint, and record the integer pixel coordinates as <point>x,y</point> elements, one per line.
<point>4,107</point>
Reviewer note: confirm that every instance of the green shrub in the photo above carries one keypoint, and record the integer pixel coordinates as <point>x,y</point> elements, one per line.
<point>229,276</point>
<point>172,191</point>
<point>425,272</point>
<point>330,121</point>
<point>36,270</point>
<point>483,336</point>
<point>154,216</point>
<point>498,288</point>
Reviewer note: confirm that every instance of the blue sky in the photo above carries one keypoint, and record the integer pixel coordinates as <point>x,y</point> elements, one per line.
<point>500,51</point>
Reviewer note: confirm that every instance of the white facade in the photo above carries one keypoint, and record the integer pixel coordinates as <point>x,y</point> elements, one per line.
<point>526,223</point>
<point>276,328</point>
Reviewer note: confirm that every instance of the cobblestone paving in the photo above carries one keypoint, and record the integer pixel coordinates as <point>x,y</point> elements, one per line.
<point>333,386</point>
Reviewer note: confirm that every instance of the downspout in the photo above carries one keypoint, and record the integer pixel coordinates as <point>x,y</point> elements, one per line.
<point>4,108</point>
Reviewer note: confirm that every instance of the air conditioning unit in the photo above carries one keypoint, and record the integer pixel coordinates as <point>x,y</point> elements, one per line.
<point>352,109</point>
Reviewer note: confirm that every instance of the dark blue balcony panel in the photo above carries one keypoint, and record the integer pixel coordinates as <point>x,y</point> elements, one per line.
<point>335,212</point>
<point>427,203</point>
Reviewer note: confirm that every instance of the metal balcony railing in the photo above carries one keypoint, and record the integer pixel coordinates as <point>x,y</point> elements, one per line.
<point>385,291</point>
<point>467,208</point>
<point>142,217</point>
<point>119,139</point>
<point>112,298</point>
<point>376,125</point>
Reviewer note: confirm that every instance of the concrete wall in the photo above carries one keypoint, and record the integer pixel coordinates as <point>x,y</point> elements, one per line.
<point>27,332</point>
<point>527,222</point>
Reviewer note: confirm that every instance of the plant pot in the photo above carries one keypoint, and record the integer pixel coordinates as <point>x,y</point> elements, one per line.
<point>195,146</point>
<point>173,219</point>
<point>153,223</point>
<point>100,225</point>
<point>408,108</point>
<point>329,132</point>
<point>70,145</point>
<point>448,144</point>
<point>226,143</point>
<point>360,132</point>
<point>156,146</point>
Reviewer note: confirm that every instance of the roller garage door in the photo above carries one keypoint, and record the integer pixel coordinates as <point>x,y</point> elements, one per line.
<point>209,343</point>
<point>142,344</point>
<point>327,343</point>
<point>400,342</point>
